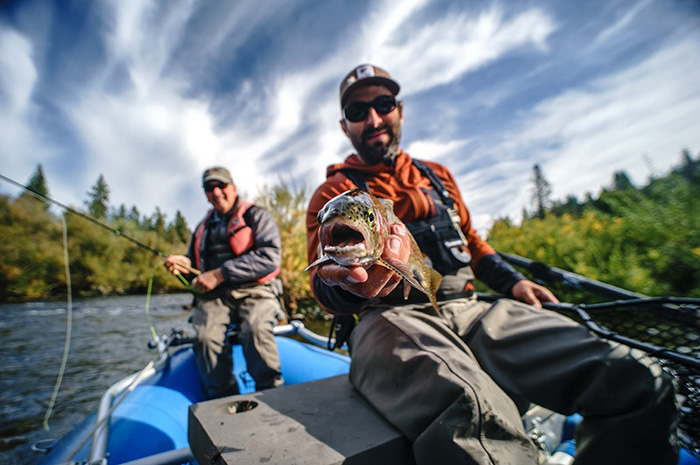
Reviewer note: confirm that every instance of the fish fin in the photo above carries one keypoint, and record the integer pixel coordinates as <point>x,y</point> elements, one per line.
<point>435,279</point>
<point>404,270</point>
<point>431,286</point>
<point>406,289</point>
<point>388,203</point>
<point>321,261</point>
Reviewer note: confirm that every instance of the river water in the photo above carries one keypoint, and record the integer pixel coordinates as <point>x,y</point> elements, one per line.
<point>109,341</point>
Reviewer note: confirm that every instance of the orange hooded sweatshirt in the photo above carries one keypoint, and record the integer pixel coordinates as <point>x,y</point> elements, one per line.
<point>405,185</point>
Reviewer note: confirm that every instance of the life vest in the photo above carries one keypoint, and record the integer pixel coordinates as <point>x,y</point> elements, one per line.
<point>240,237</point>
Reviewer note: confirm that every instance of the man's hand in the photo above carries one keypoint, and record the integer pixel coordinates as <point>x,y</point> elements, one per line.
<point>530,293</point>
<point>177,264</point>
<point>208,281</point>
<point>375,281</point>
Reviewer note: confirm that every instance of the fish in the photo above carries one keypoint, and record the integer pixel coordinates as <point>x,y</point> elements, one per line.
<point>354,228</point>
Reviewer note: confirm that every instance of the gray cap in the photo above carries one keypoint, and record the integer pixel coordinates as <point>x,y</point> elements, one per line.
<point>364,75</point>
<point>217,173</point>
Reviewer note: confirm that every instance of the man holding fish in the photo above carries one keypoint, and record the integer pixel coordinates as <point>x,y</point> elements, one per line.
<point>450,372</point>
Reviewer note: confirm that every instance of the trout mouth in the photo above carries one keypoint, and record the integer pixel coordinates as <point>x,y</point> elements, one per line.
<point>344,243</point>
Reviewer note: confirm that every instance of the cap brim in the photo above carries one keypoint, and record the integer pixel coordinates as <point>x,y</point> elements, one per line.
<point>216,177</point>
<point>390,84</point>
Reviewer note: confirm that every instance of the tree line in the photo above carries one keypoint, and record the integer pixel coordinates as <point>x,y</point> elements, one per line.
<point>100,263</point>
<point>645,239</point>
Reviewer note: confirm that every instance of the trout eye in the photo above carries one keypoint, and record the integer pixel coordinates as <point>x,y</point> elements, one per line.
<point>370,216</point>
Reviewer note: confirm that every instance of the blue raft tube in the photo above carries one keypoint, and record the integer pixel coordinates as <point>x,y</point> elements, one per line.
<point>142,419</point>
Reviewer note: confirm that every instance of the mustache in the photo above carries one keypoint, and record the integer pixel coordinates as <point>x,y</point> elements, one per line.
<point>371,131</point>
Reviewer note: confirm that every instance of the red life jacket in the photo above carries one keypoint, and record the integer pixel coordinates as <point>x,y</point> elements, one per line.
<point>240,237</point>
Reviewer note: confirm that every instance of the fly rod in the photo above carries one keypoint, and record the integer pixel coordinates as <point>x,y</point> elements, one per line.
<point>94,221</point>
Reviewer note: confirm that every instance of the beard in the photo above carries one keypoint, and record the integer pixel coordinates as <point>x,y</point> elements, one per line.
<point>379,152</point>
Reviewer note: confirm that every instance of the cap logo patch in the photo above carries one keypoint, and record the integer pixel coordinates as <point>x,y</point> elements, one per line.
<point>365,72</point>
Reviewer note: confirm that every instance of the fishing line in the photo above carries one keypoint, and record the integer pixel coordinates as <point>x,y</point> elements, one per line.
<point>140,376</point>
<point>69,326</point>
<point>148,302</point>
<point>84,216</point>
<point>116,232</point>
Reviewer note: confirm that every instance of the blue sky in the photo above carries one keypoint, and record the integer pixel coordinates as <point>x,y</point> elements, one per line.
<point>150,93</point>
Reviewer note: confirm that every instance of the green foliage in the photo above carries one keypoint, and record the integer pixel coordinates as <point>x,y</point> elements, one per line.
<point>287,204</point>
<point>646,240</point>
<point>32,259</point>
<point>101,263</point>
<point>643,239</point>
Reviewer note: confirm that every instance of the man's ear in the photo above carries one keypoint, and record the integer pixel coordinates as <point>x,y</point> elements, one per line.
<point>344,127</point>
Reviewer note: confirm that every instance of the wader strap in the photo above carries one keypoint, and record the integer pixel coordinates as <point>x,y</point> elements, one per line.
<point>435,181</point>
<point>358,178</point>
<point>341,327</point>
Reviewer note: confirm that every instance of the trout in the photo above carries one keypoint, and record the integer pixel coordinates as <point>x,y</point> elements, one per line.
<point>354,228</point>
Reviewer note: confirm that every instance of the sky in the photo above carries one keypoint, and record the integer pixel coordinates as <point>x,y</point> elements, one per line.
<point>149,93</point>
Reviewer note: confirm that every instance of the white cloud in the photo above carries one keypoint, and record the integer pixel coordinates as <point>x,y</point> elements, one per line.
<point>440,52</point>
<point>17,72</point>
<point>580,137</point>
<point>18,77</point>
<point>153,136</point>
<point>435,149</point>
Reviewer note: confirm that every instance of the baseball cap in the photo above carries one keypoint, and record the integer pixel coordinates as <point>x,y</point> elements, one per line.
<point>364,75</point>
<point>217,173</point>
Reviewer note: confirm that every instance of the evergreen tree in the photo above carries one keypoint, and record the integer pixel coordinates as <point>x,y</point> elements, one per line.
<point>134,215</point>
<point>37,183</point>
<point>542,191</point>
<point>689,167</point>
<point>621,181</point>
<point>179,229</point>
<point>570,206</point>
<point>98,199</point>
<point>525,214</point>
<point>157,222</point>
<point>120,213</point>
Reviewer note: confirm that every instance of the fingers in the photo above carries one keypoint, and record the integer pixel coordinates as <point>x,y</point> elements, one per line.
<point>545,295</point>
<point>335,275</point>
<point>177,264</point>
<point>375,281</point>
<point>530,293</point>
<point>530,298</point>
<point>208,281</point>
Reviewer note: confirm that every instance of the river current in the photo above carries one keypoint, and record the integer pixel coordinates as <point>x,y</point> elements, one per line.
<point>109,341</point>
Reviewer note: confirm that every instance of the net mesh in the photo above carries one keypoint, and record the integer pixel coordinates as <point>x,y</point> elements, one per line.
<point>669,331</point>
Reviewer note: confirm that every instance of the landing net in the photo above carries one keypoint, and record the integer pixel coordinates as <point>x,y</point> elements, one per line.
<point>668,329</point>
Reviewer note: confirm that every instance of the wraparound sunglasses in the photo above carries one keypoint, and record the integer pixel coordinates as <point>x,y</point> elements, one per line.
<point>358,111</point>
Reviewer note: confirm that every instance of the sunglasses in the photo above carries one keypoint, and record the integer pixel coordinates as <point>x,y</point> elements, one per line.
<point>358,111</point>
<point>210,186</point>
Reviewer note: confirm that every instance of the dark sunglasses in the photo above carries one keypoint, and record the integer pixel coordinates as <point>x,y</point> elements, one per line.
<point>358,111</point>
<point>210,186</point>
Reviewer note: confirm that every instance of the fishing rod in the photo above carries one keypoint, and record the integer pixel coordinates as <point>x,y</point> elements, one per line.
<point>543,272</point>
<point>116,232</point>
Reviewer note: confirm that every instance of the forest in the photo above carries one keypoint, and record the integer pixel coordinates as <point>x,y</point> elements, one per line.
<point>642,238</point>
